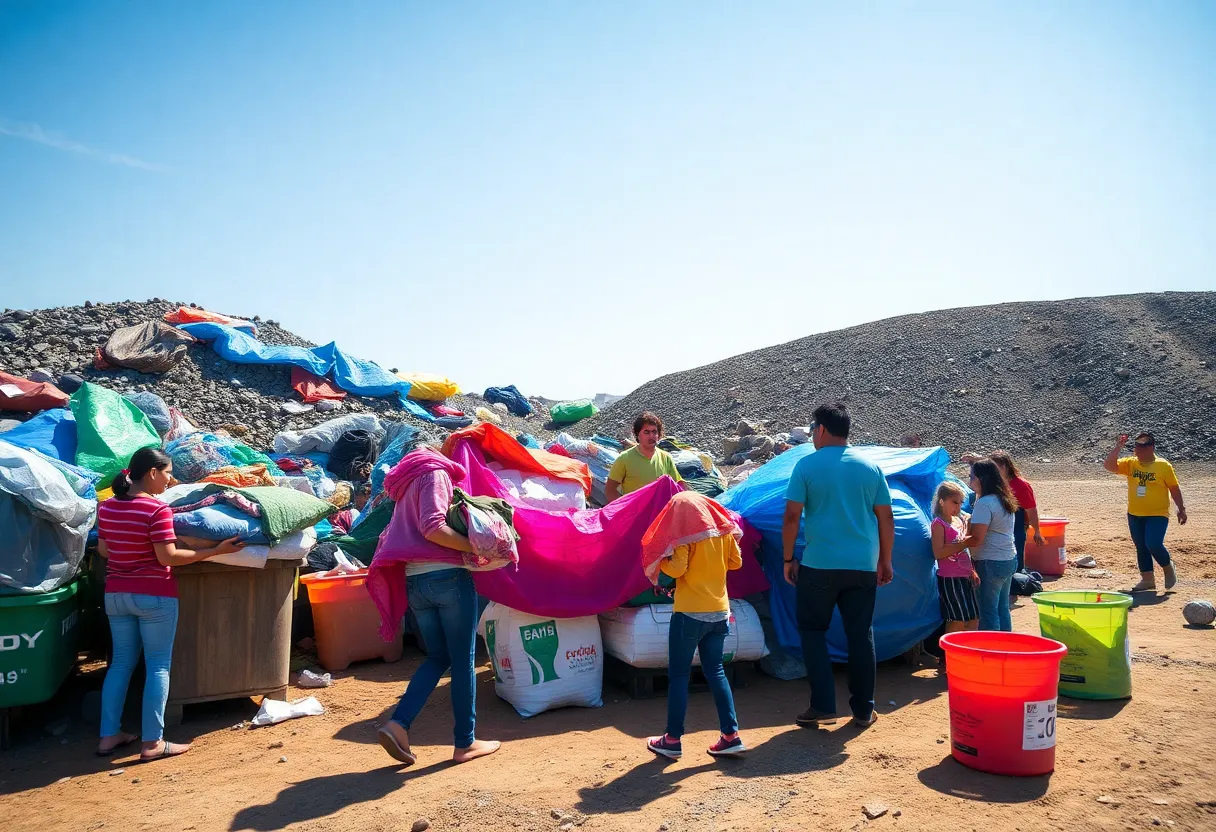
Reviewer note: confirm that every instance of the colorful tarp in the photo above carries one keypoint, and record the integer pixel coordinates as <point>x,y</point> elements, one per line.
<point>190,315</point>
<point>906,610</point>
<point>25,396</point>
<point>504,448</point>
<point>109,429</point>
<point>314,388</point>
<point>354,375</point>
<point>52,432</point>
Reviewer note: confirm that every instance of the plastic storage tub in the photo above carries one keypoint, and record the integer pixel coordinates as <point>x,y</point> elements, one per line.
<point>1093,625</point>
<point>346,623</point>
<point>1003,700</point>
<point>1052,557</point>
<point>39,634</point>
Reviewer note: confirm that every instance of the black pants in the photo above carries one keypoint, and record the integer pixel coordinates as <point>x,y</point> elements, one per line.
<point>820,591</point>
<point>1019,537</point>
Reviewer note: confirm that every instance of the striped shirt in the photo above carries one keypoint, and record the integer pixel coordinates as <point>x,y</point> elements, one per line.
<point>129,528</point>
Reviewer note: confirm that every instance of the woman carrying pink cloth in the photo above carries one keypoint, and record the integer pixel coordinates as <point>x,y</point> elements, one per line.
<point>440,591</point>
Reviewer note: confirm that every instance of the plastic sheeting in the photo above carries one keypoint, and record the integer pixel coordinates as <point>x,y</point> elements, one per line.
<point>428,387</point>
<point>46,522</point>
<point>596,456</point>
<point>109,429</point>
<point>314,388</point>
<point>541,492</point>
<point>510,396</point>
<point>53,432</point>
<point>323,436</point>
<point>152,347</point>
<point>907,609</point>
<point>154,407</point>
<point>25,396</point>
<point>354,375</point>
<point>502,447</point>
<point>192,315</point>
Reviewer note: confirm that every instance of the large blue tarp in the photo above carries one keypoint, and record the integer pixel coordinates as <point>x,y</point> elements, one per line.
<point>354,375</point>
<point>907,609</point>
<point>52,432</point>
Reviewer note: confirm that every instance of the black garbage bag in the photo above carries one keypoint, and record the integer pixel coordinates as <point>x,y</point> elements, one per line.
<point>353,455</point>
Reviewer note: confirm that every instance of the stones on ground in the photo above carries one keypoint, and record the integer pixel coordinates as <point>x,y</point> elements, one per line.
<point>116,772</point>
<point>746,427</point>
<point>282,759</point>
<point>1107,800</point>
<point>420,825</point>
<point>875,809</point>
<point>326,405</point>
<point>556,814</point>
<point>274,745</point>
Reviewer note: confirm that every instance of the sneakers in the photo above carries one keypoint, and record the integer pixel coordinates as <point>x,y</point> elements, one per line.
<point>1171,576</point>
<point>727,748</point>
<point>811,717</point>
<point>665,746</point>
<point>866,723</point>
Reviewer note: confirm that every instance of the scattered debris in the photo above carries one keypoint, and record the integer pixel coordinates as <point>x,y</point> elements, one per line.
<point>875,810</point>
<point>1109,801</point>
<point>309,679</point>
<point>420,825</point>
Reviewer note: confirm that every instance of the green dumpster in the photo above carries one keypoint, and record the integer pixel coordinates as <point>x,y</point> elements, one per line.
<point>39,633</point>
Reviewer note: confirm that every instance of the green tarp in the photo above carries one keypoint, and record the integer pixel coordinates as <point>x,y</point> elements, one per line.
<point>362,540</point>
<point>109,429</point>
<point>285,510</point>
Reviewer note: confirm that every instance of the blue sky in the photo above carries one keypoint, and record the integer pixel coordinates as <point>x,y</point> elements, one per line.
<point>579,197</point>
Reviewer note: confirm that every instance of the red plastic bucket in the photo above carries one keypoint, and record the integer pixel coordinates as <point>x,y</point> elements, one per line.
<point>1003,690</point>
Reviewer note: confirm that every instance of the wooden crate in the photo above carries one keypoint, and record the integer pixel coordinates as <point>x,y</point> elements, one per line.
<point>233,633</point>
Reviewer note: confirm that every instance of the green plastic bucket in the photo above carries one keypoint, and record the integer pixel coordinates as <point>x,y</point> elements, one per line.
<point>1093,625</point>
<point>39,633</point>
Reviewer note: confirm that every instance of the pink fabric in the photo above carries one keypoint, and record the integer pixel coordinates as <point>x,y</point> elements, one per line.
<point>955,566</point>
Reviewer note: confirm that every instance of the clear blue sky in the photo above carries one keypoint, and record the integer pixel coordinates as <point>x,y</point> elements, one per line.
<point>579,197</point>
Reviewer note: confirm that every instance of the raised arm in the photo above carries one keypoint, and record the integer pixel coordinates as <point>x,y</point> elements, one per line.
<point>1112,459</point>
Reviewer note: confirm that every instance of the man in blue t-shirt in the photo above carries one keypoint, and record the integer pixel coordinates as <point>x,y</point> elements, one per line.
<point>849,532</point>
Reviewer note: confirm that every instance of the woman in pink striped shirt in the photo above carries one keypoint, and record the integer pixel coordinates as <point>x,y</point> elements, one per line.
<point>137,540</point>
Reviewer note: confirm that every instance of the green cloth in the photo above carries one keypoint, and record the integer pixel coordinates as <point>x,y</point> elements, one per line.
<point>664,593</point>
<point>109,429</point>
<point>362,540</point>
<point>491,504</point>
<point>285,510</point>
<point>570,412</point>
<point>706,486</point>
<point>633,471</point>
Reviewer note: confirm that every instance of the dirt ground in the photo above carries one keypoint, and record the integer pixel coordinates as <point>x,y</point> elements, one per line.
<point>1150,758</point>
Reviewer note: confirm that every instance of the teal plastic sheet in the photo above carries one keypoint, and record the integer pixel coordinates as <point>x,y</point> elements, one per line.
<point>109,429</point>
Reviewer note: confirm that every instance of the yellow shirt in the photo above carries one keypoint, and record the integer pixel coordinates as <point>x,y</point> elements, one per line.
<point>633,471</point>
<point>1148,486</point>
<point>700,571</point>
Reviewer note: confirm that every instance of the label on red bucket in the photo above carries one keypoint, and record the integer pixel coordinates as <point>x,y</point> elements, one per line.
<point>1039,725</point>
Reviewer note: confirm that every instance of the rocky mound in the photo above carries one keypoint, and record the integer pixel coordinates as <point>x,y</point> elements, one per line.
<point>247,400</point>
<point>1046,379</point>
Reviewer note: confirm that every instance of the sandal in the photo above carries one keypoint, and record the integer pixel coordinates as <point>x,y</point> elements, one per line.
<point>168,749</point>
<point>126,740</point>
<point>389,743</point>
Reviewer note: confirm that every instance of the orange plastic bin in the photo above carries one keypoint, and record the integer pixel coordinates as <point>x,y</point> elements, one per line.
<point>1052,557</point>
<point>346,622</point>
<point>1003,689</point>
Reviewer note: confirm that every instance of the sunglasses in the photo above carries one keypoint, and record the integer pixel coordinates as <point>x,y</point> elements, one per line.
<point>1144,444</point>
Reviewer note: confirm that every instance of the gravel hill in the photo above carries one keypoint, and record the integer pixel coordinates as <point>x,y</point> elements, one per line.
<point>1047,379</point>
<point>212,392</point>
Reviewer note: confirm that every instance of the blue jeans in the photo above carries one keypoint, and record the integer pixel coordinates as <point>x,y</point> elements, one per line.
<point>147,622</point>
<point>686,636</point>
<point>1148,533</point>
<point>820,592</point>
<point>444,604</point>
<point>996,578</point>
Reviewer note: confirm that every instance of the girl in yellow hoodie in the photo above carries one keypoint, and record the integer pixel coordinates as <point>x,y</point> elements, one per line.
<point>695,541</point>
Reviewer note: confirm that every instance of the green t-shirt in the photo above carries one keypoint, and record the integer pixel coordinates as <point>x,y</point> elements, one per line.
<point>633,471</point>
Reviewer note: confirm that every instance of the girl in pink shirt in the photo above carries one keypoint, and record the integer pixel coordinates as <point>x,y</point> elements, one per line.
<point>956,577</point>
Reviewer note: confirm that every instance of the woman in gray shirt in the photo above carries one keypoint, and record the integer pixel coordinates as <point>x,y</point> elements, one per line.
<point>990,540</point>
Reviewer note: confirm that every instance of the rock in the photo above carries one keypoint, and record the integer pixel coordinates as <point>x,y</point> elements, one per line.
<point>135,780</point>
<point>11,332</point>
<point>293,408</point>
<point>41,347</point>
<point>274,745</point>
<point>1199,612</point>
<point>282,759</point>
<point>116,772</point>
<point>20,315</point>
<point>746,427</point>
<point>1108,800</point>
<point>875,809</point>
<point>328,405</point>
<point>420,825</point>
<point>556,814</point>
<point>1123,372</point>
<point>566,827</point>
<point>63,779</point>
<point>41,376</point>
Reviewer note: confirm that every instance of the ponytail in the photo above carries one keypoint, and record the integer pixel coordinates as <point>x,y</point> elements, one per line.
<point>143,461</point>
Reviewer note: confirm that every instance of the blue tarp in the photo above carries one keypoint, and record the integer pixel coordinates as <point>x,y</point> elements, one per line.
<point>52,432</point>
<point>354,375</point>
<point>907,609</point>
<point>511,397</point>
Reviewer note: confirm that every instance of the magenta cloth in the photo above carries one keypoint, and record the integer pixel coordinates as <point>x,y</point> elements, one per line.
<point>750,578</point>
<point>421,485</point>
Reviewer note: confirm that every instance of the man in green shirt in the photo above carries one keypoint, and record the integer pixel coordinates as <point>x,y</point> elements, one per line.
<point>644,463</point>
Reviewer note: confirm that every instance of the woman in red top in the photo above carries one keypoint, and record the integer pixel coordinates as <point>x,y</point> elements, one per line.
<point>137,540</point>
<point>1028,508</point>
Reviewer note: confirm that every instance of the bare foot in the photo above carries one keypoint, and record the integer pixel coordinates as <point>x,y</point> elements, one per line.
<point>160,749</point>
<point>479,748</point>
<point>109,745</point>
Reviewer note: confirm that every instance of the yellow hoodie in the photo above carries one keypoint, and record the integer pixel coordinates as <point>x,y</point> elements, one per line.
<point>700,572</point>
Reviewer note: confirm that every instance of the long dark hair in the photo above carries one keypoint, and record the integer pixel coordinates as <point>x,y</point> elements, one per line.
<point>142,461</point>
<point>1003,459</point>
<point>991,482</point>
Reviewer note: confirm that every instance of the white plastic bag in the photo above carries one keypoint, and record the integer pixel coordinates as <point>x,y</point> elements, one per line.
<point>274,711</point>
<point>638,635</point>
<point>545,493</point>
<point>323,436</point>
<point>544,663</point>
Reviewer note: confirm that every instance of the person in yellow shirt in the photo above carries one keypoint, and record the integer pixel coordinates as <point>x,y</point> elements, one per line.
<point>696,541</point>
<point>643,464</point>
<point>1150,484</point>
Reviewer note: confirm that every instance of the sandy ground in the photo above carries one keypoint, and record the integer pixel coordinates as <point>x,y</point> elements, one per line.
<point>1150,757</point>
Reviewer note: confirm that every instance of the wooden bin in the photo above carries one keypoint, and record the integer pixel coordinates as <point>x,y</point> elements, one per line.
<point>233,633</point>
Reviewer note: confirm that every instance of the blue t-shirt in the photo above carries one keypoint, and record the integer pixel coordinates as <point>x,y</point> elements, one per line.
<point>839,490</point>
<point>998,543</point>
